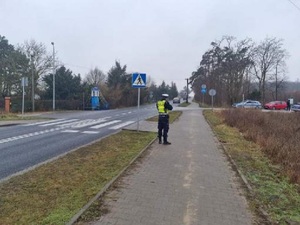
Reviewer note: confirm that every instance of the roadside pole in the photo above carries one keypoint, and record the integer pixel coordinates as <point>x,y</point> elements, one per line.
<point>24,82</point>
<point>203,90</point>
<point>212,93</point>
<point>138,81</point>
<point>138,121</point>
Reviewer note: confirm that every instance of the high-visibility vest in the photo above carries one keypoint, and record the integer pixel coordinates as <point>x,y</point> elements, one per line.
<point>161,107</point>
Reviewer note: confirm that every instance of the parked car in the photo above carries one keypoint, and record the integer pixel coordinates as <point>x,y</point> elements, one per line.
<point>295,107</point>
<point>176,100</point>
<point>276,105</point>
<point>248,104</point>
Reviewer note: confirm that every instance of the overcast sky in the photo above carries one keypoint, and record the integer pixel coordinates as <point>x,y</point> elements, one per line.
<point>163,38</point>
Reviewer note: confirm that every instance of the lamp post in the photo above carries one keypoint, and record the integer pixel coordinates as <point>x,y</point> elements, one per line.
<point>52,43</point>
<point>32,83</point>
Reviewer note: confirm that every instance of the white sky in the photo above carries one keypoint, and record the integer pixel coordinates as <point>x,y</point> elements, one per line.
<point>163,38</point>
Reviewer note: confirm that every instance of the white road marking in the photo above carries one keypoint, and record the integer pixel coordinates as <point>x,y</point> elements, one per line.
<point>90,132</point>
<point>106,124</point>
<point>70,131</point>
<point>121,125</point>
<point>43,122</point>
<point>93,122</point>
<point>62,124</point>
<point>59,122</point>
<point>28,135</point>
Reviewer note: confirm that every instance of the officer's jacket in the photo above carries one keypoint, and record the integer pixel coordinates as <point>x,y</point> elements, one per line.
<point>163,106</point>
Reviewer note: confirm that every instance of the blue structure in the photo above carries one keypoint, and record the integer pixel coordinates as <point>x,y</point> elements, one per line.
<point>97,98</point>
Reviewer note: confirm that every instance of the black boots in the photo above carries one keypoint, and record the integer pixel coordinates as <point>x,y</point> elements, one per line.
<point>166,142</point>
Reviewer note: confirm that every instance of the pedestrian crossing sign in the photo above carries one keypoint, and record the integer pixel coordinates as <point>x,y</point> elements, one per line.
<point>138,80</point>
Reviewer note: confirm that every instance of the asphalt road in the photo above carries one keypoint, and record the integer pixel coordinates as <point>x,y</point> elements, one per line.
<point>27,145</point>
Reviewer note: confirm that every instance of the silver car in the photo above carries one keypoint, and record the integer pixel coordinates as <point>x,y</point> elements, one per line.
<point>295,107</point>
<point>248,104</point>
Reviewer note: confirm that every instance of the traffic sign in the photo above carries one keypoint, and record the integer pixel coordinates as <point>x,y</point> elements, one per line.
<point>138,80</point>
<point>203,85</point>
<point>203,90</point>
<point>212,92</point>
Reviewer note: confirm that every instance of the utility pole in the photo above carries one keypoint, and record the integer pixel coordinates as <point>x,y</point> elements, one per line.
<point>32,83</point>
<point>187,90</point>
<point>52,43</point>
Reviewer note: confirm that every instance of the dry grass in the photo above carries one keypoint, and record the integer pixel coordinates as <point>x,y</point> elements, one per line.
<point>277,133</point>
<point>270,185</point>
<point>53,193</point>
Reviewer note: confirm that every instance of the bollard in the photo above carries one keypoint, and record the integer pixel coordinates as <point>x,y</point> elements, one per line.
<point>7,104</point>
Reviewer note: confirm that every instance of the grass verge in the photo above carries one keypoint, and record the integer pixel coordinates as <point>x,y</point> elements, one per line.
<point>269,187</point>
<point>53,193</point>
<point>12,116</point>
<point>184,104</point>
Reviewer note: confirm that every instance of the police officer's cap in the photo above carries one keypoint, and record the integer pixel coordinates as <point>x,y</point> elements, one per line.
<point>165,95</point>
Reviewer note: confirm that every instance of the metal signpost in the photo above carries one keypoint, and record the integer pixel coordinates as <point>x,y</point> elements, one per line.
<point>138,81</point>
<point>212,93</point>
<point>24,82</point>
<point>203,91</point>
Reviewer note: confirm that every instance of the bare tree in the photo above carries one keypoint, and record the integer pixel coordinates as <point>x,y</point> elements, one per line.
<point>42,60</point>
<point>268,58</point>
<point>95,77</point>
<point>41,63</point>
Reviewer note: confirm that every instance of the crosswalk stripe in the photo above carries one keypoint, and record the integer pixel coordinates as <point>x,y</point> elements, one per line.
<point>121,125</point>
<point>93,122</point>
<point>105,124</point>
<point>59,122</point>
<point>43,122</point>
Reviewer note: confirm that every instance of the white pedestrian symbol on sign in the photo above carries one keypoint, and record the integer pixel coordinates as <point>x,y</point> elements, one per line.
<point>139,81</point>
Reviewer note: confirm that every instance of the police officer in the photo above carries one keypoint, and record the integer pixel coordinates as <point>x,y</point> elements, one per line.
<point>163,106</point>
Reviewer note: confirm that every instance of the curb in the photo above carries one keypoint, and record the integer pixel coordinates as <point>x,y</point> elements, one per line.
<point>75,218</point>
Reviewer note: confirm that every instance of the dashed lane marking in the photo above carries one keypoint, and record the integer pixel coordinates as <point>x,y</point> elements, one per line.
<point>70,131</point>
<point>90,132</point>
<point>28,135</point>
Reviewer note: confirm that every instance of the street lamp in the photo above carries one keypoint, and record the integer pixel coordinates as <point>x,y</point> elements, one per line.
<point>52,43</point>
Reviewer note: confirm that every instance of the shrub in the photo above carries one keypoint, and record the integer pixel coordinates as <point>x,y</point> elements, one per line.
<point>277,133</point>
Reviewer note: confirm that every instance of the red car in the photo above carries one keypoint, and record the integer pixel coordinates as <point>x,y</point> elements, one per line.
<point>276,105</point>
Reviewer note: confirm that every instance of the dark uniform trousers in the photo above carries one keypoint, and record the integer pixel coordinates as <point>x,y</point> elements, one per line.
<point>163,127</point>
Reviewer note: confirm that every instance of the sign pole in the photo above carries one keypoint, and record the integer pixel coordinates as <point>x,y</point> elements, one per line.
<point>23,97</point>
<point>138,121</point>
<point>212,93</point>
<point>138,81</point>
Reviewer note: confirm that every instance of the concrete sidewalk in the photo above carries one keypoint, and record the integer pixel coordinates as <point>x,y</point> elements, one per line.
<point>187,183</point>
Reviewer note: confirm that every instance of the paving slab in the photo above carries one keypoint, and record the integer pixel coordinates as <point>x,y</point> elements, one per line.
<point>189,182</point>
